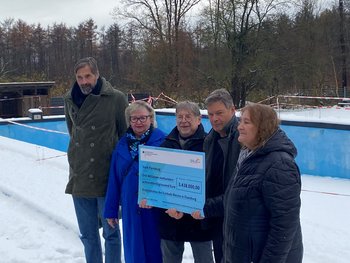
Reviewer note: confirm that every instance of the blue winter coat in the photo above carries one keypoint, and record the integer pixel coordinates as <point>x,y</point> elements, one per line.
<point>262,207</point>
<point>141,240</point>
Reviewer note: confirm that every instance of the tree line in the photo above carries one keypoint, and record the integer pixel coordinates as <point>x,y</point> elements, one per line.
<point>253,48</point>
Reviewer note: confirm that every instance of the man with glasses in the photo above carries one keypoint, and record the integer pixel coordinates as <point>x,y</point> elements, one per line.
<point>95,119</point>
<point>175,227</point>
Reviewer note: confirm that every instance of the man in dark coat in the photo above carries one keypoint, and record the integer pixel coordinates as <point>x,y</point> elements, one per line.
<point>222,150</point>
<point>175,227</point>
<point>95,119</point>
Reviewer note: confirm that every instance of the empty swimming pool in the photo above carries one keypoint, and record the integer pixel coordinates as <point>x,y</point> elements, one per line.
<point>323,148</point>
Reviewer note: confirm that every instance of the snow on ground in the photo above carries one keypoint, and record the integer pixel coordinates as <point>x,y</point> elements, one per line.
<point>38,225</point>
<point>335,114</point>
<point>37,221</point>
<point>338,115</point>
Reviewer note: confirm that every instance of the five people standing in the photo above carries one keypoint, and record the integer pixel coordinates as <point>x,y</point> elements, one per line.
<point>252,208</point>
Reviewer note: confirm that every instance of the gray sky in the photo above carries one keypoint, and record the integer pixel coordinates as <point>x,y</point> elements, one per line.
<point>70,12</point>
<point>73,12</point>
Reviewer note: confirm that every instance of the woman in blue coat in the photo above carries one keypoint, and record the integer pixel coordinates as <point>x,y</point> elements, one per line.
<point>141,240</point>
<point>262,201</point>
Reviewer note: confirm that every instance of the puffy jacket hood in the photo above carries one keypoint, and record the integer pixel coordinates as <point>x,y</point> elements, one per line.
<point>278,142</point>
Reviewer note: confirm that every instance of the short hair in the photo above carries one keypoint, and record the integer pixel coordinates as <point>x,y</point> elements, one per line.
<point>140,104</point>
<point>264,118</point>
<point>88,61</point>
<point>189,106</point>
<point>221,95</point>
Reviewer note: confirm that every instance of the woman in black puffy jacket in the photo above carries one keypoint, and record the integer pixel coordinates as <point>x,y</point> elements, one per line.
<point>262,202</point>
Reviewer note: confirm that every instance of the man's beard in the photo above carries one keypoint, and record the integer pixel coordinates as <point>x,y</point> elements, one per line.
<point>86,89</point>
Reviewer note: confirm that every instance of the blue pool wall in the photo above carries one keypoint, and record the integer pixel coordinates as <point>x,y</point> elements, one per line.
<point>323,148</point>
<point>48,139</point>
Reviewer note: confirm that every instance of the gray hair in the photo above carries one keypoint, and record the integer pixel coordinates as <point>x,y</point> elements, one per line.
<point>88,61</point>
<point>140,104</point>
<point>221,95</point>
<point>189,106</point>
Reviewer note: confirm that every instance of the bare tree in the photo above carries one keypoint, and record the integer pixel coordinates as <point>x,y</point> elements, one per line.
<point>343,47</point>
<point>162,19</point>
<point>110,45</point>
<point>238,24</point>
<point>86,39</point>
<point>3,70</point>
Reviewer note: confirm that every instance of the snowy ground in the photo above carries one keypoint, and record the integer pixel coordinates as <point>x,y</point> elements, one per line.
<point>38,225</point>
<point>338,115</point>
<point>335,114</point>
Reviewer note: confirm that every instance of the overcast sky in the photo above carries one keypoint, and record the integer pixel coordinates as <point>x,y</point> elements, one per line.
<point>70,12</point>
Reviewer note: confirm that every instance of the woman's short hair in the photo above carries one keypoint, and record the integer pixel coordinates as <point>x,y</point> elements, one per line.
<point>189,106</point>
<point>88,61</point>
<point>140,104</point>
<point>264,118</point>
<point>221,95</point>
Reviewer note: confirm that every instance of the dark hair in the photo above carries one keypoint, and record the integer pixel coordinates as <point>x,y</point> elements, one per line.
<point>221,95</point>
<point>88,61</point>
<point>264,118</point>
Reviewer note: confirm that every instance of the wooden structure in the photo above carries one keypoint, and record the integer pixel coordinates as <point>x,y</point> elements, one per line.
<point>16,98</point>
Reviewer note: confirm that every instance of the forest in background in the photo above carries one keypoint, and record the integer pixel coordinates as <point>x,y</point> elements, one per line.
<point>254,49</point>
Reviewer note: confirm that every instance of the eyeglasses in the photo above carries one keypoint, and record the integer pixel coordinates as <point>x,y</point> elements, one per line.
<point>187,118</point>
<point>142,119</point>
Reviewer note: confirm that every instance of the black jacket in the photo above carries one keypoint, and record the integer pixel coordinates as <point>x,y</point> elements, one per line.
<point>186,228</point>
<point>262,206</point>
<point>213,209</point>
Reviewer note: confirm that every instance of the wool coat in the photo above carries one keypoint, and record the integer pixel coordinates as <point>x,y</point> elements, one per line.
<point>262,206</point>
<point>94,130</point>
<point>141,240</point>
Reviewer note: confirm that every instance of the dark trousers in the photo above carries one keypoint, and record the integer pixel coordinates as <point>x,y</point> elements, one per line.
<point>172,251</point>
<point>217,244</point>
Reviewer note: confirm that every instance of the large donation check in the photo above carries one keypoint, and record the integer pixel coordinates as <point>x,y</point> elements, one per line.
<point>171,178</point>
